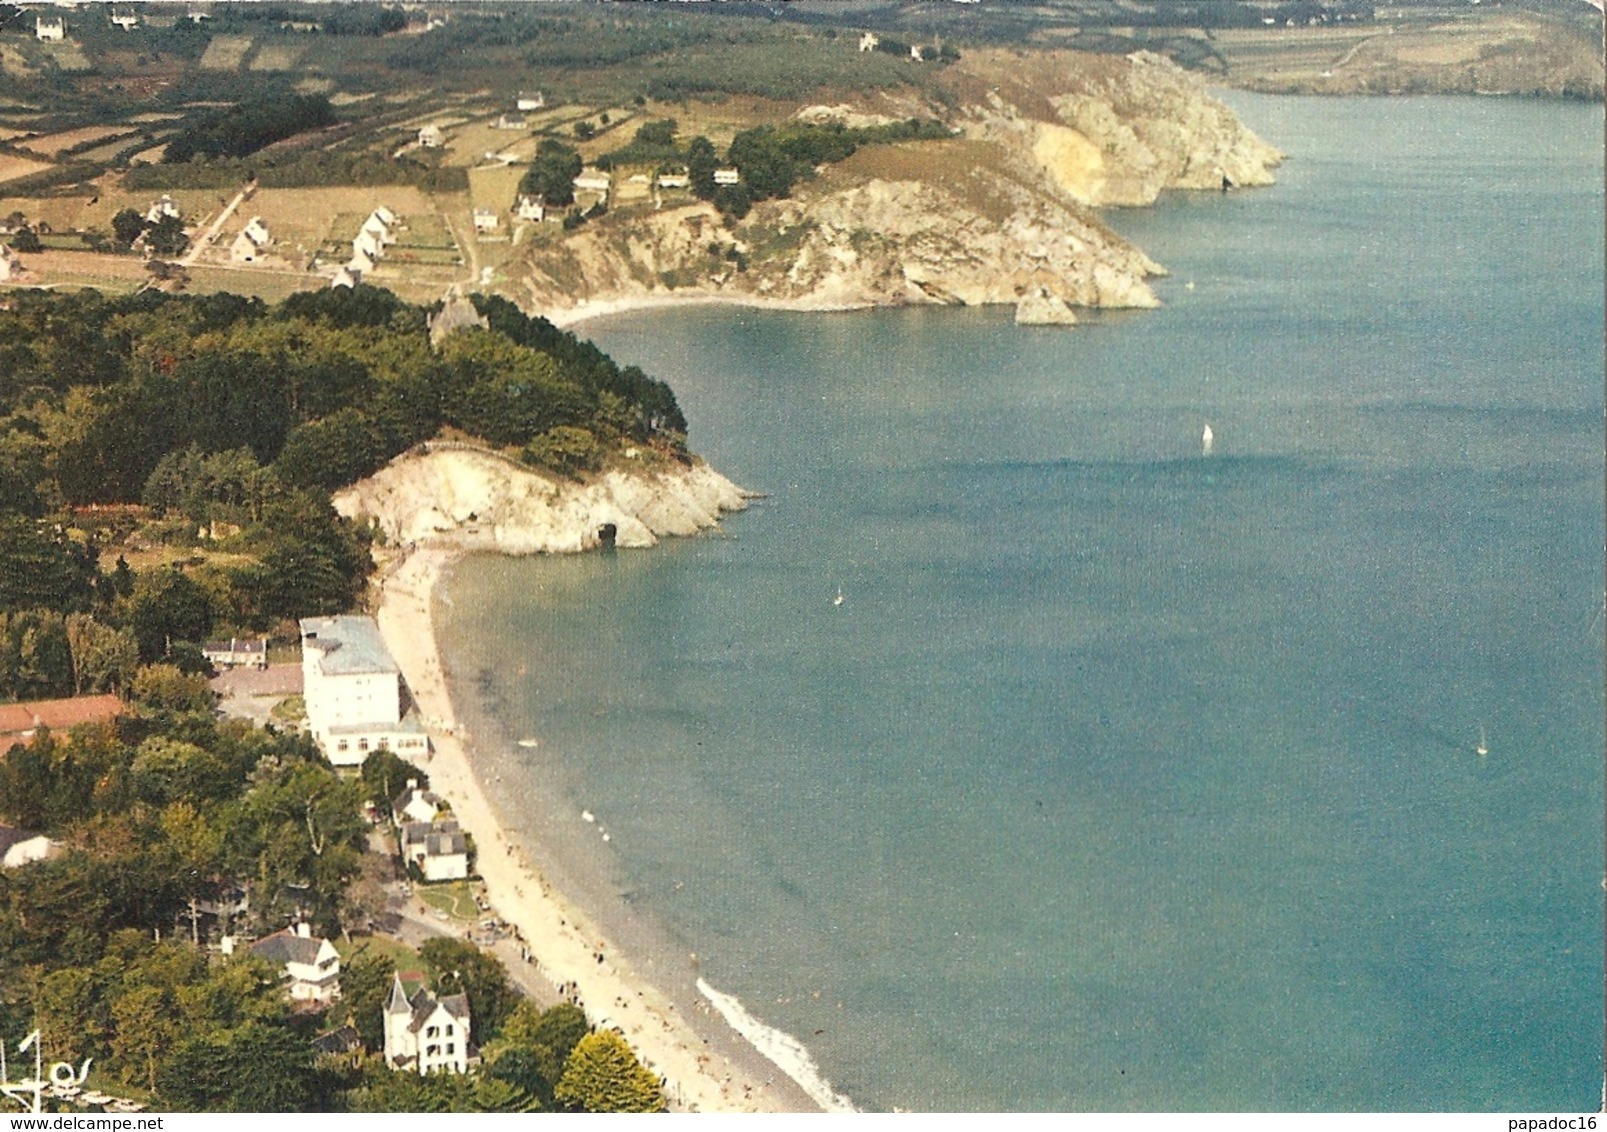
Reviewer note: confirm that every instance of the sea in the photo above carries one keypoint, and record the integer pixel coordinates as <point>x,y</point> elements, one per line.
<point>1125,776</point>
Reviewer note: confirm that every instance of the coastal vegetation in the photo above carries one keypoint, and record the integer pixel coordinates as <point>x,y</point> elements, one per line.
<point>201,437</point>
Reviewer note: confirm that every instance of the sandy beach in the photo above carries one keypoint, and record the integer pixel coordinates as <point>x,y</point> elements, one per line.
<point>568,317</point>
<point>564,942</point>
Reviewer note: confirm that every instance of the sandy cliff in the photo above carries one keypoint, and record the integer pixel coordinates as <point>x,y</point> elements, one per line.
<point>471,499</point>
<point>1005,212</point>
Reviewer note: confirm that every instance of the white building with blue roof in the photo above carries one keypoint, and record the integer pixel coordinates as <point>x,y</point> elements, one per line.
<point>353,691</point>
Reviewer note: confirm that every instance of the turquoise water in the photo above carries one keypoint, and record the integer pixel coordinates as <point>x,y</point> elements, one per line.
<point>1124,778</point>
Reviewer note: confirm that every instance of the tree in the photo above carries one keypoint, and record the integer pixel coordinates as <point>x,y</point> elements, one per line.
<point>603,1075</point>
<point>165,688</point>
<point>255,1068</point>
<point>25,239</point>
<point>103,658</point>
<point>168,606</point>
<point>660,132</point>
<point>386,774</point>
<point>166,237</point>
<point>701,162</point>
<point>142,1028</point>
<point>458,967</point>
<point>552,174</point>
<point>365,984</point>
<point>128,225</point>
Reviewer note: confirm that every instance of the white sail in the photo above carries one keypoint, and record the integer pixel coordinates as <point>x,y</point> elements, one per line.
<point>1207,441</point>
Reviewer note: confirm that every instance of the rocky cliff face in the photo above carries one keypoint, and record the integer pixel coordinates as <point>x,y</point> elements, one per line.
<point>1002,213</point>
<point>471,499</point>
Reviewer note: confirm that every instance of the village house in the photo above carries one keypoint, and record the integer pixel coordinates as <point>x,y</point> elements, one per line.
<point>128,21</point>
<point>18,847</point>
<point>727,176</point>
<point>531,208</point>
<point>486,220</point>
<point>161,208</point>
<point>244,249</point>
<point>366,243</point>
<point>360,264</point>
<point>10,265</point>
<point>50,29</point>
<point>431,137</point>
<point>529,101</point>
<point>237,652</point>
<point>426,1034</point>
<point>511,122</point>
<point>868,42</point>
<point>310,965</point>
<point>674,180</point>
<point>19,722</point>
<point>456,313</point>
<point>353,691</point>
<point>415,805</point>
<point>384,215</point>
<point>593,181</point>
<point>440,849</point>
<point>378,229</point>
<point>345,278</point>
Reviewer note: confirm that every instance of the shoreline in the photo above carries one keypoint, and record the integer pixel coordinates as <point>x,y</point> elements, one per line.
<point>564,939</point>
<point>569,317</point>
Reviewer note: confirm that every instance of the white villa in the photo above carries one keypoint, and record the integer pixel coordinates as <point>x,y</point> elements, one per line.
<point>531,208</point>
<point>440,849</point>
<point>353,691</point>
<point>50,29</point>
<point>426,1034</point>
<point>311,965</point>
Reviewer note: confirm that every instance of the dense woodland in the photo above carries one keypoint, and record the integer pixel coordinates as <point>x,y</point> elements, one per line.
<point>220,424</point>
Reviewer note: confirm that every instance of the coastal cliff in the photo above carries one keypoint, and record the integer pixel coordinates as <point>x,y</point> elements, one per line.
<point>471,499</point>
<point>1004,212</point>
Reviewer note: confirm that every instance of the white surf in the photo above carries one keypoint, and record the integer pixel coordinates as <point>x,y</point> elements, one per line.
<point>789,1054</point>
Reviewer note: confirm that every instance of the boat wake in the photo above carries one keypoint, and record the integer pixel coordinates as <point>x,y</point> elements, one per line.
<point>780,1047</point>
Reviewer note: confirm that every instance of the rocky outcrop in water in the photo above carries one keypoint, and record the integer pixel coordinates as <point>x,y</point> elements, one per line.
<point>472,499</point>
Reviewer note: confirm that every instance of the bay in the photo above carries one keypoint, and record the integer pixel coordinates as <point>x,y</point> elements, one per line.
<point>1123,777</point>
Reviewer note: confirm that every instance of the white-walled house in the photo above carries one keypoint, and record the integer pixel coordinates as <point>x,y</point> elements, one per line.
<point>431,137</point>
<point>529,101</point>
<point>440,849</point>
<point>353,691</point>
<point>415,805</point>
<point>426,1034</point>
<point>50,29</point>
<point>531,208</point>
<point>486,220</point>
<point>727,176</point>
<point>311,964</point>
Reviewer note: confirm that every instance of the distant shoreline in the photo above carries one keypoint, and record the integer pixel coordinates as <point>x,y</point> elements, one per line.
<point>564,940</point>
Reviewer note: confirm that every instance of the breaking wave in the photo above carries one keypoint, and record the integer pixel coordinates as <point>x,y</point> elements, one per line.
<point>780,1047</point>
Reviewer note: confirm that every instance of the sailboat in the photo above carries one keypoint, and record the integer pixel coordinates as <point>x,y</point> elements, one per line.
<point>1484,744</point>
<point>1207,440</point>
<point>838,600</point>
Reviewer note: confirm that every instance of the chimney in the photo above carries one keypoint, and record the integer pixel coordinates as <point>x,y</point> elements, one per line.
<point>303,929</point>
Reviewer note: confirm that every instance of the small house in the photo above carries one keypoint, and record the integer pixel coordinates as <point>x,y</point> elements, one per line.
<point>869,42</point>
<point>378,229</point>
<point>360,263</point>
<point>244,249</point>
<point>49,29</point>
<point>19,847</point>
<point>384,215</point>
<point>529,101</point>
<point>20,722</point>
<point>592,181</point>
<point>486,220</point>
<point>431,137</point>
<point>237,652</point>
<point>531,208</point>
<point>425,1034</point>
<point>368,244</point>
<point>161,208</point>
<point>10,265</point>
<point>258,231</point>
<point>727,176</point>
<point>674,180</point>
<point>345,278</point>
<point>440,849</point>
<point>511,122</point>
<point>128,21</point>
<point>310,965</point>
<point>415,805</point>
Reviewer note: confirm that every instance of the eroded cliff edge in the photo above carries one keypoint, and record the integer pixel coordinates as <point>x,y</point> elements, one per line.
<point>465,498</point>
<point>1003,212</point>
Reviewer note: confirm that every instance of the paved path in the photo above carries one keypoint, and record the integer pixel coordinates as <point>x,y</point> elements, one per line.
<point>203,242</point>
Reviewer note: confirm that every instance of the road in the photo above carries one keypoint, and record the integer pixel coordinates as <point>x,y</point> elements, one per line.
<point>201,243</point>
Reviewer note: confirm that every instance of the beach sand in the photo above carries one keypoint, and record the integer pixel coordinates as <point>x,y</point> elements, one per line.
<point>564,942</point>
